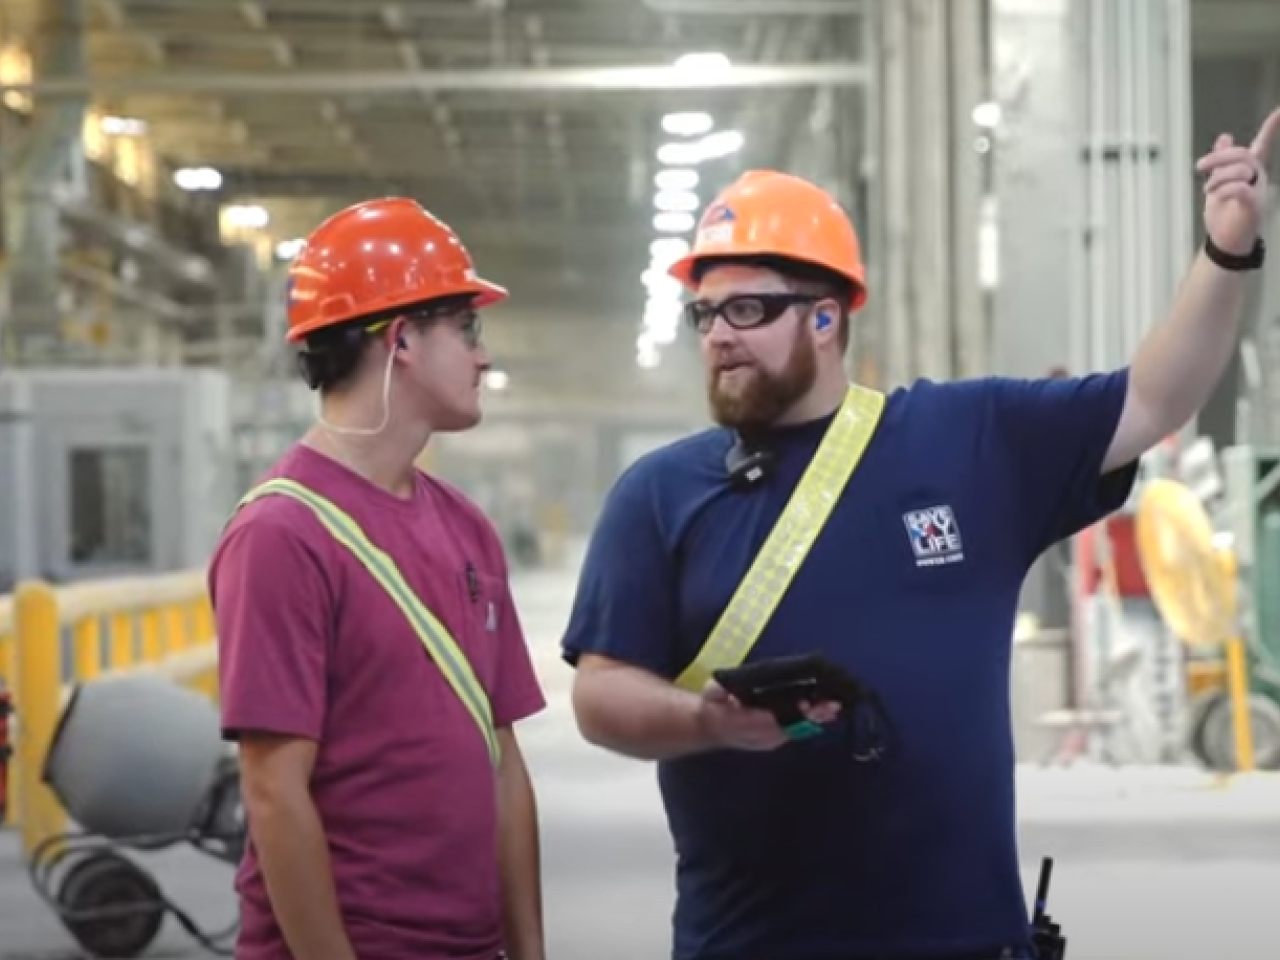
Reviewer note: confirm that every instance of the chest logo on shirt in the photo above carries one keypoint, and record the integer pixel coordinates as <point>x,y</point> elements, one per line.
<point>935,536</point>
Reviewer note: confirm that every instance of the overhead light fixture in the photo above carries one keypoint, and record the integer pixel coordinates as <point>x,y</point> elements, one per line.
<point>662,286</point>
<point>673,222</point>
<point>197,178</point>
<point>246,217</point>
<point>679,154</point>
<point>703,63</point>
<point>721,144</point>
<point>647,357</point>
<point>496,379</point>
<point>662,320</point>
<point>687,124</point>
<point>987,115</point>
<point>676,201</point>
<point>667,250</point>
<point>122,126</point>
<point>288,249</point>
<point>676,179</point>
<point>711,147</point>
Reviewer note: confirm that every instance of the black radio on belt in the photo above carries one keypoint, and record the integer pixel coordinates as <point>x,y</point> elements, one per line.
<point>1046,935</point>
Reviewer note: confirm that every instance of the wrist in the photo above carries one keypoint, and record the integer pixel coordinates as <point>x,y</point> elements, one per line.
<point>1233,259</point>
<point>706,730</point>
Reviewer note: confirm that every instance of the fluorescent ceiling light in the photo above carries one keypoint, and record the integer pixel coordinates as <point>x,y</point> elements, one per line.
<point>687,124</point>
<point>676,179</point>
<point>664,335</point>
<point>667,250</point>
<point>648,358</point>
<point>679,154</point>
<point>497,379</point>
<point>248,217</point>
<point>711,147</point>
<point>122,126</point>
<point>987,115</point>
<point>703,63</point>
<point>677,201</point>
<point>673,222</point>
<point>721,144</point>
<point>197,178</point>
<point>288,249</point>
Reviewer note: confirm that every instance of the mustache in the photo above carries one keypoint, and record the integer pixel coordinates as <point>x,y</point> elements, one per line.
<point>727,361</point>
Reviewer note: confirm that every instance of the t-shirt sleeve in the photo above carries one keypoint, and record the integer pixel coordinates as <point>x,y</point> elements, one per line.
<point>1055,435</point>
<point>517,695</point>
<point>273,609</point>
<point>625,607</point>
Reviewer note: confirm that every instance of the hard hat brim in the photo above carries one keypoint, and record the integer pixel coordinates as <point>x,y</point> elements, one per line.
<point>483,292</point>
<point>685,268</point>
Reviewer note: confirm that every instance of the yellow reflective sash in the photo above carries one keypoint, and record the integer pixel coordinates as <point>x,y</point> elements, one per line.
<point>795,531</point>
<point>434,635</point>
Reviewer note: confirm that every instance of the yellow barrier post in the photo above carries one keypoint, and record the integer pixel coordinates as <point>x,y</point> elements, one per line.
<point>160,625</point>
<point>37,692</point>
<point>1239,685</point>
<point>86,642</point>
<point>6,681</point>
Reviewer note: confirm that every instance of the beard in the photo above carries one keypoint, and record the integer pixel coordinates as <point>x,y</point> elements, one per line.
<point>751,398</point>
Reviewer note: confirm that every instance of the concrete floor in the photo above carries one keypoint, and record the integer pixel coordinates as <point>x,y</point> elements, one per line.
<point>1151,865</point>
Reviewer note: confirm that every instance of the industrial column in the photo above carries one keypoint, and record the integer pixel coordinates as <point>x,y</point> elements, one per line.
<point>930,74</point>
<point>45,160</point>
<point>1094,170</point>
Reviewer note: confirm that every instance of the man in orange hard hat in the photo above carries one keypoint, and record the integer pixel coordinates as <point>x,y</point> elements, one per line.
<point>889,536</point>
<point>372,664</point>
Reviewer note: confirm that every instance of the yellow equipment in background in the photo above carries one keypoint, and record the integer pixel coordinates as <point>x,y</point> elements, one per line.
<point>1194,585</point>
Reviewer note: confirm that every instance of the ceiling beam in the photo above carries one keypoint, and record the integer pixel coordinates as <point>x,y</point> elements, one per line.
<point>300,182</point>
<point>507,81</point>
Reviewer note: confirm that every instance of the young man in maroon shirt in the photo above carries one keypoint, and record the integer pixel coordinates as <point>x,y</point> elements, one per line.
<point>390,814</point>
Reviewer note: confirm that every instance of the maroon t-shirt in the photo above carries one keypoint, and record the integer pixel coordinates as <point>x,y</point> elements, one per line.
<point>311,646</point>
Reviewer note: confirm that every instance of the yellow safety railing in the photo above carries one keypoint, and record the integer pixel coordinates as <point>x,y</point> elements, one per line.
<point>6,639</point>
<point>54,636</point>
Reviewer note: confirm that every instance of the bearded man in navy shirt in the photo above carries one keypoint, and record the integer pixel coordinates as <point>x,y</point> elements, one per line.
<point>790,849</point>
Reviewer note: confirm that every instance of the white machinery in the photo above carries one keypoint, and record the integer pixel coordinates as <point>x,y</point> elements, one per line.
<point>112,471</point>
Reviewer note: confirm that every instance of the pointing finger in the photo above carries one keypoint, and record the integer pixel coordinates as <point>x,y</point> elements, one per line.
<point>1235,173</point>
<point>1266,138</point>
<point>1223,156</point>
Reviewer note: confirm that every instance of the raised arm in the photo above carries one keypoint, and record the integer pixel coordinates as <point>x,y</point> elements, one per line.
<point>1180,362</point>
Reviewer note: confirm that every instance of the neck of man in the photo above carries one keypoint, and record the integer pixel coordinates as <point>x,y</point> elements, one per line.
<point>387,459</point>
<point>823,399</point>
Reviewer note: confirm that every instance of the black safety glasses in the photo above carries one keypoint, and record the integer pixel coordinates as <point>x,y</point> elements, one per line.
<point>743,311</point>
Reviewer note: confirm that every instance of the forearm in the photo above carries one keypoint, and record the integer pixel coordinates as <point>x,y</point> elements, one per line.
<point>294,857</point>
<point>519,855</point>
<point>1180,362</point>
<point>637,714</point>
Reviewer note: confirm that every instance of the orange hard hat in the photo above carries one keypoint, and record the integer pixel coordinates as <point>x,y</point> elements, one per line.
<point>766,213</point>
<point>378,257</point>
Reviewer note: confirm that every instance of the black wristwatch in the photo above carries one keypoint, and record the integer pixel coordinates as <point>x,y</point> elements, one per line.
<point>1252,260</point>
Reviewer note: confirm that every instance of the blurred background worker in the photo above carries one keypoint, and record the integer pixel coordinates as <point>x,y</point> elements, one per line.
<point>376,824</point>
<point>795,850</point>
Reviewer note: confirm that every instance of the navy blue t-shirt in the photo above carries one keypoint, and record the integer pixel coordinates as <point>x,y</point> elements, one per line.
<point>803,853</point>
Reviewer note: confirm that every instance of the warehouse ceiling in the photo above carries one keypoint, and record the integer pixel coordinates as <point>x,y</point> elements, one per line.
<point>551,181</point>
<point>508,118</point>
